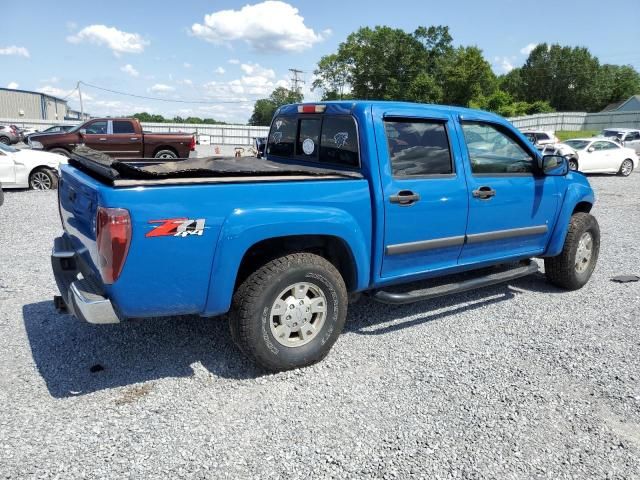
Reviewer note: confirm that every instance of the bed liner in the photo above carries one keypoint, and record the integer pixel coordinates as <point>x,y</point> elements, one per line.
<point>145,171</point>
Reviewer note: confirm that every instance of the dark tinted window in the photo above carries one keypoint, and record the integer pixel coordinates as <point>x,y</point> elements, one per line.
<point>542,136</point>
<point>123,126</point>
<point>309,138</point>
<point>97,128</point>
<point>418,148</point>
<point>493,150</point>
<point>339,144</point>
<point>282,137</point>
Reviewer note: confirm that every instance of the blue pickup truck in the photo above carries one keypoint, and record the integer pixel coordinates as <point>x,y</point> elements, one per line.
<point>351,197</point>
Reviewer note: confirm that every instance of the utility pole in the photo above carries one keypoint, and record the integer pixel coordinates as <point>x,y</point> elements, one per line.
<point>81,106</point>
<point>296,80</point>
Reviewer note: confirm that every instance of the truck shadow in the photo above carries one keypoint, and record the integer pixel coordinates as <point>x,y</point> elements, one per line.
<point>77,358</point>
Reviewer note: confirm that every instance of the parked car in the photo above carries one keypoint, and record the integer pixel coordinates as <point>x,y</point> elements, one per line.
<point>627,137</point>
<point>117,137</point>
<point>540,138</point>
<point>562,149</point>
<point>28,168</point>
<point>8,135</point>
<point>597,155</point>
<point>52,129</point>
<point>351,197</point>
<point>1,195</point>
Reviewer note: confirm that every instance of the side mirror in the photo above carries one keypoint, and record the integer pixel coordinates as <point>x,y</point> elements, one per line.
<point>555,165</point>
<point>591,150</point>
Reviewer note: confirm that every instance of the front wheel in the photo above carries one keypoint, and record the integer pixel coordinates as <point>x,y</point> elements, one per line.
<point>572,269</point>
<point>626,168</point>
<point>43,179</point>
<point>166,154</point>
<point>289,313</point>
<point>573,165</point>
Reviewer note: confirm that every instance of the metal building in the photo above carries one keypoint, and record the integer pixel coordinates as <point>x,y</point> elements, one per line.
<point>31,105</point>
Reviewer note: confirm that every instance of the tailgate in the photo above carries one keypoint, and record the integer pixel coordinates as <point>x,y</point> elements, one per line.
<point>78,203</point>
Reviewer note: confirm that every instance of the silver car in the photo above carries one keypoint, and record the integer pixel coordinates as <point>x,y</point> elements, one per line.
<point>8,135</point>
<point>627,137</point>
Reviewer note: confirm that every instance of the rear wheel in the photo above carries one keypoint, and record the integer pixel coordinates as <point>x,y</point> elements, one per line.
<point>43,179</point>
<point>166,154</point>
<point>289,313</point>
<point>572,269</point>
<point>626,168</point>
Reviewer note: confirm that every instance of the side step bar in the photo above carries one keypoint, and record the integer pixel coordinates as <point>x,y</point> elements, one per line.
<point>457,287</point>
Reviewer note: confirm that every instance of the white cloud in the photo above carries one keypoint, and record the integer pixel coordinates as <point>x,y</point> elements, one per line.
<point>186,81</point>
<point>267,27</point>
<point>129,70</point>
<point>504,64</point>
<point>12,85</point>
<point>62,93</point>
<point>14,50</point>
<point>220,71</point>
<point>51,80</point>
<point>118,41</point>
<point>234,61</point>
<point>161,88</point>
<point>528,49</point>
<point>187,65</point>
<point>256,81</point>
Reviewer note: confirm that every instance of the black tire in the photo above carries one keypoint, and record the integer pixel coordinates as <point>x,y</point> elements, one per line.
<point>5,140</point>
<point>252,323</point>
<point>166,154</point>
<point>61,151</point>
<point>573,164</point>
<point>566,270</point>
<point>626,167</point>
<point>43,179</point>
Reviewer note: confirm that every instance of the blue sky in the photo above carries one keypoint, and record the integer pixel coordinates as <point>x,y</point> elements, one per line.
<point>229,51</point>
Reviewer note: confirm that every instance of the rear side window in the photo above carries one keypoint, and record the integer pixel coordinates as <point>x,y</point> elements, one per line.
<point>323,139</point>
<point>418,148</point>
<point>122,126</point>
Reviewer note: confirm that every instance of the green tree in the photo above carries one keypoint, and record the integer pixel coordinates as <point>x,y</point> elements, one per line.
<point>264,108</point>
<point>467,75</point>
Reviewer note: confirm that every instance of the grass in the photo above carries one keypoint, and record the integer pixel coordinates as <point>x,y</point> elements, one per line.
<point>565,135</point>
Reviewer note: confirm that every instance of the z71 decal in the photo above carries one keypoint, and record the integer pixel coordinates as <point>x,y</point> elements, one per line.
<point>177,227</point>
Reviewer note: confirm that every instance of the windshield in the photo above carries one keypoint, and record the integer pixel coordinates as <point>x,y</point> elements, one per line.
<point>611,133</point>
<point>577,144</point>
<point>7,148</point>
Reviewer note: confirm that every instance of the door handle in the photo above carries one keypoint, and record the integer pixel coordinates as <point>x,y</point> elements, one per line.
<point>484,193</point>
<point>102,139</point>
<point>404,198</point>
<point>133,138</point>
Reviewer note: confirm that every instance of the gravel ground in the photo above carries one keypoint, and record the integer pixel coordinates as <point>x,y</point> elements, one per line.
<point>517,381</point>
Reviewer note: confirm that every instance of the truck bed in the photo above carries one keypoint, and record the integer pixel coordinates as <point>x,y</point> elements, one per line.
<point>148,172</point>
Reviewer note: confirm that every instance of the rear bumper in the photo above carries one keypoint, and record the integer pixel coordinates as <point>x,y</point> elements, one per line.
<point>82,294</point>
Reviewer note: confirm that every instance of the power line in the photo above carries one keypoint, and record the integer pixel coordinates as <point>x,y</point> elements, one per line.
<point>296,79</point>
<point>168,100</point>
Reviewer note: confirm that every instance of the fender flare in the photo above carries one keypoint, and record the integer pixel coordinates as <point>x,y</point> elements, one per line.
<point>576,193</point>
<point>245,228</point>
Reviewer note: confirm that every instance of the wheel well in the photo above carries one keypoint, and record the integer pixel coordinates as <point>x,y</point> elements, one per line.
<point>332,248</point>
<point>584,207</point>
<point>155,152</point>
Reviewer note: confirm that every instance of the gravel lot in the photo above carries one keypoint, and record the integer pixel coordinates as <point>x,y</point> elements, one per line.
<point>517,381</point>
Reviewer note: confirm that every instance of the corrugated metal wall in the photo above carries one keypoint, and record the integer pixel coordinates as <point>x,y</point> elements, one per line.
<point>20,104</point>
<point>574,121</point>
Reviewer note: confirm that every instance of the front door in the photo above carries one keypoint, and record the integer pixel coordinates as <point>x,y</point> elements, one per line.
<point>424,191</point>
<point>95,135</point>
<point>511,206</point>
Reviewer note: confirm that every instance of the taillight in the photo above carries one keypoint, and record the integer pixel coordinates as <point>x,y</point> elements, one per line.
<point>311,108</point>
<point>192,145</point>
<point>113,237</point>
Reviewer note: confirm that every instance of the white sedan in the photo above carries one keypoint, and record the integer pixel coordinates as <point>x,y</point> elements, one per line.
<point>598,155</point>
<point>29,168</point>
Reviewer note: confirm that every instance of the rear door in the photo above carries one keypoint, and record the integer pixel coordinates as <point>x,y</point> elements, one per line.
<point>424,190</point>
<point>123,141</point>
<point>511,206</point>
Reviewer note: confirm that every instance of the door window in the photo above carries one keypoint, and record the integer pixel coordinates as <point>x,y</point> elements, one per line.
<point>97,128</point>
<point>599,146</point>
<point>418,148</point>
<point>492,150</point>
<point>123,126</point>
<point>633,136</point>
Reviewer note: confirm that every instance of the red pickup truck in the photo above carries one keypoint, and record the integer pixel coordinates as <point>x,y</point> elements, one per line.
<point>118,138</point>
